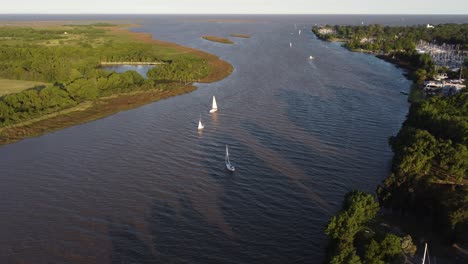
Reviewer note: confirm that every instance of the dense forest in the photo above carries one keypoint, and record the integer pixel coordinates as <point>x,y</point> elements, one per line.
<point>430,164</point>
<point>69,60</point>
<point>356,236</point>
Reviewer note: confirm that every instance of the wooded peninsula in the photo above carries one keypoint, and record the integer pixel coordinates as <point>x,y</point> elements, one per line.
<point>429,174</point>
<point>51,75</point>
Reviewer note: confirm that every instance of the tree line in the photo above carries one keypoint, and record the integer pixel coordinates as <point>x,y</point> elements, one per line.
<point>386,39</point>
<point>430,164</point>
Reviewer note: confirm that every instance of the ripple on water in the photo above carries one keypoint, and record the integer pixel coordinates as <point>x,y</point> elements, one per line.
<point>145,185</point>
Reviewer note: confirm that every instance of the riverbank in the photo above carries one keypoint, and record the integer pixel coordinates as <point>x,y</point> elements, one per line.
<point>91,107</point>
<point>415,93</point>
<point>87,112</point>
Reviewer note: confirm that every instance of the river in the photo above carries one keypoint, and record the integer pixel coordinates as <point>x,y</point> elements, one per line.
<point>143,186</point>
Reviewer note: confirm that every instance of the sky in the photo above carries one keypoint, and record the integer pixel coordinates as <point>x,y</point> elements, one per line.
<point>233,7</point>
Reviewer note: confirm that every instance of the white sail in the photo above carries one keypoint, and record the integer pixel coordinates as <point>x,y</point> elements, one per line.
<point>214,107</point>
<point>200,125</point>
<point>299,32</point>
<point>290,44</point>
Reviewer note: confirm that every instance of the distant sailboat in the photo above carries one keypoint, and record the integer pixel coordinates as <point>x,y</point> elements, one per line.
<point>299,32</point>
<point>290,44</point>
<point>228,163</point>
<point>200,125</point>
<point>214,107</point>
<point>311,57</point>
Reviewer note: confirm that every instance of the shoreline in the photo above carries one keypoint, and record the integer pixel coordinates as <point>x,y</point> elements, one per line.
<point>107,106</point>
<point>92,111</point>
<point>414,93</point>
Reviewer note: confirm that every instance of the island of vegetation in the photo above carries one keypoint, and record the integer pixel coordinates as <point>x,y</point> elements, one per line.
<point>429,177</point>
<point>218,39</point>
<point>240,35</point>
<point>51,75</point>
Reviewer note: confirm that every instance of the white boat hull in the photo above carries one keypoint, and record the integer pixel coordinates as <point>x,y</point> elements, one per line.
<point>213,110</point>
<point>230,167</point>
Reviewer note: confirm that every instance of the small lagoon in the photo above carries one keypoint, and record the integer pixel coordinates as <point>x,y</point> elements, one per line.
<point>141,69</point>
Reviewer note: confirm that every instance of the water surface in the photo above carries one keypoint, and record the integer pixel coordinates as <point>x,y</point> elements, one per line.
<point>143,186</point>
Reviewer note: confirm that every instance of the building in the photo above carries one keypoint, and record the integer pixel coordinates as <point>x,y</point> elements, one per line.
<point>446,87</point>
<point>326,31</point>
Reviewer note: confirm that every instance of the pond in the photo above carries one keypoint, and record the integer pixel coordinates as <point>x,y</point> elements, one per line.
<point>141,69</point>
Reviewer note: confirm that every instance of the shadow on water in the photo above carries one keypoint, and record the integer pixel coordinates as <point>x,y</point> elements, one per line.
<point>295,149</point>
<point>185,236</point>
<point>253,202</point>
<point>127,247</point>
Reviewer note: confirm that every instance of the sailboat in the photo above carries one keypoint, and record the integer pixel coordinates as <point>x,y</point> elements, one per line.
<point>299,32</point>
<point>228,163</point>
<point>200,125</point>
<point>290,44</point>
<point>311,57</point>
<point>214,107</point>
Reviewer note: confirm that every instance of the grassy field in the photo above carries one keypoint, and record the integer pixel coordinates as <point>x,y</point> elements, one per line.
<point>14,86</point>
<point>218,39</point>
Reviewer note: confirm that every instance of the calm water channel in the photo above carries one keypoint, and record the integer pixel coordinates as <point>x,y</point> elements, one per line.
<point>142,186</point>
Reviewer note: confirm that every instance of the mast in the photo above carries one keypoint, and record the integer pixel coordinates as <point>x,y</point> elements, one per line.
<point>425,252</point>
<point>227,155</point>
<point>461,70</point>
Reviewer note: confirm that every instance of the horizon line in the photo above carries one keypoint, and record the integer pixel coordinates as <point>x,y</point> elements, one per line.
<point>216,14</point>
